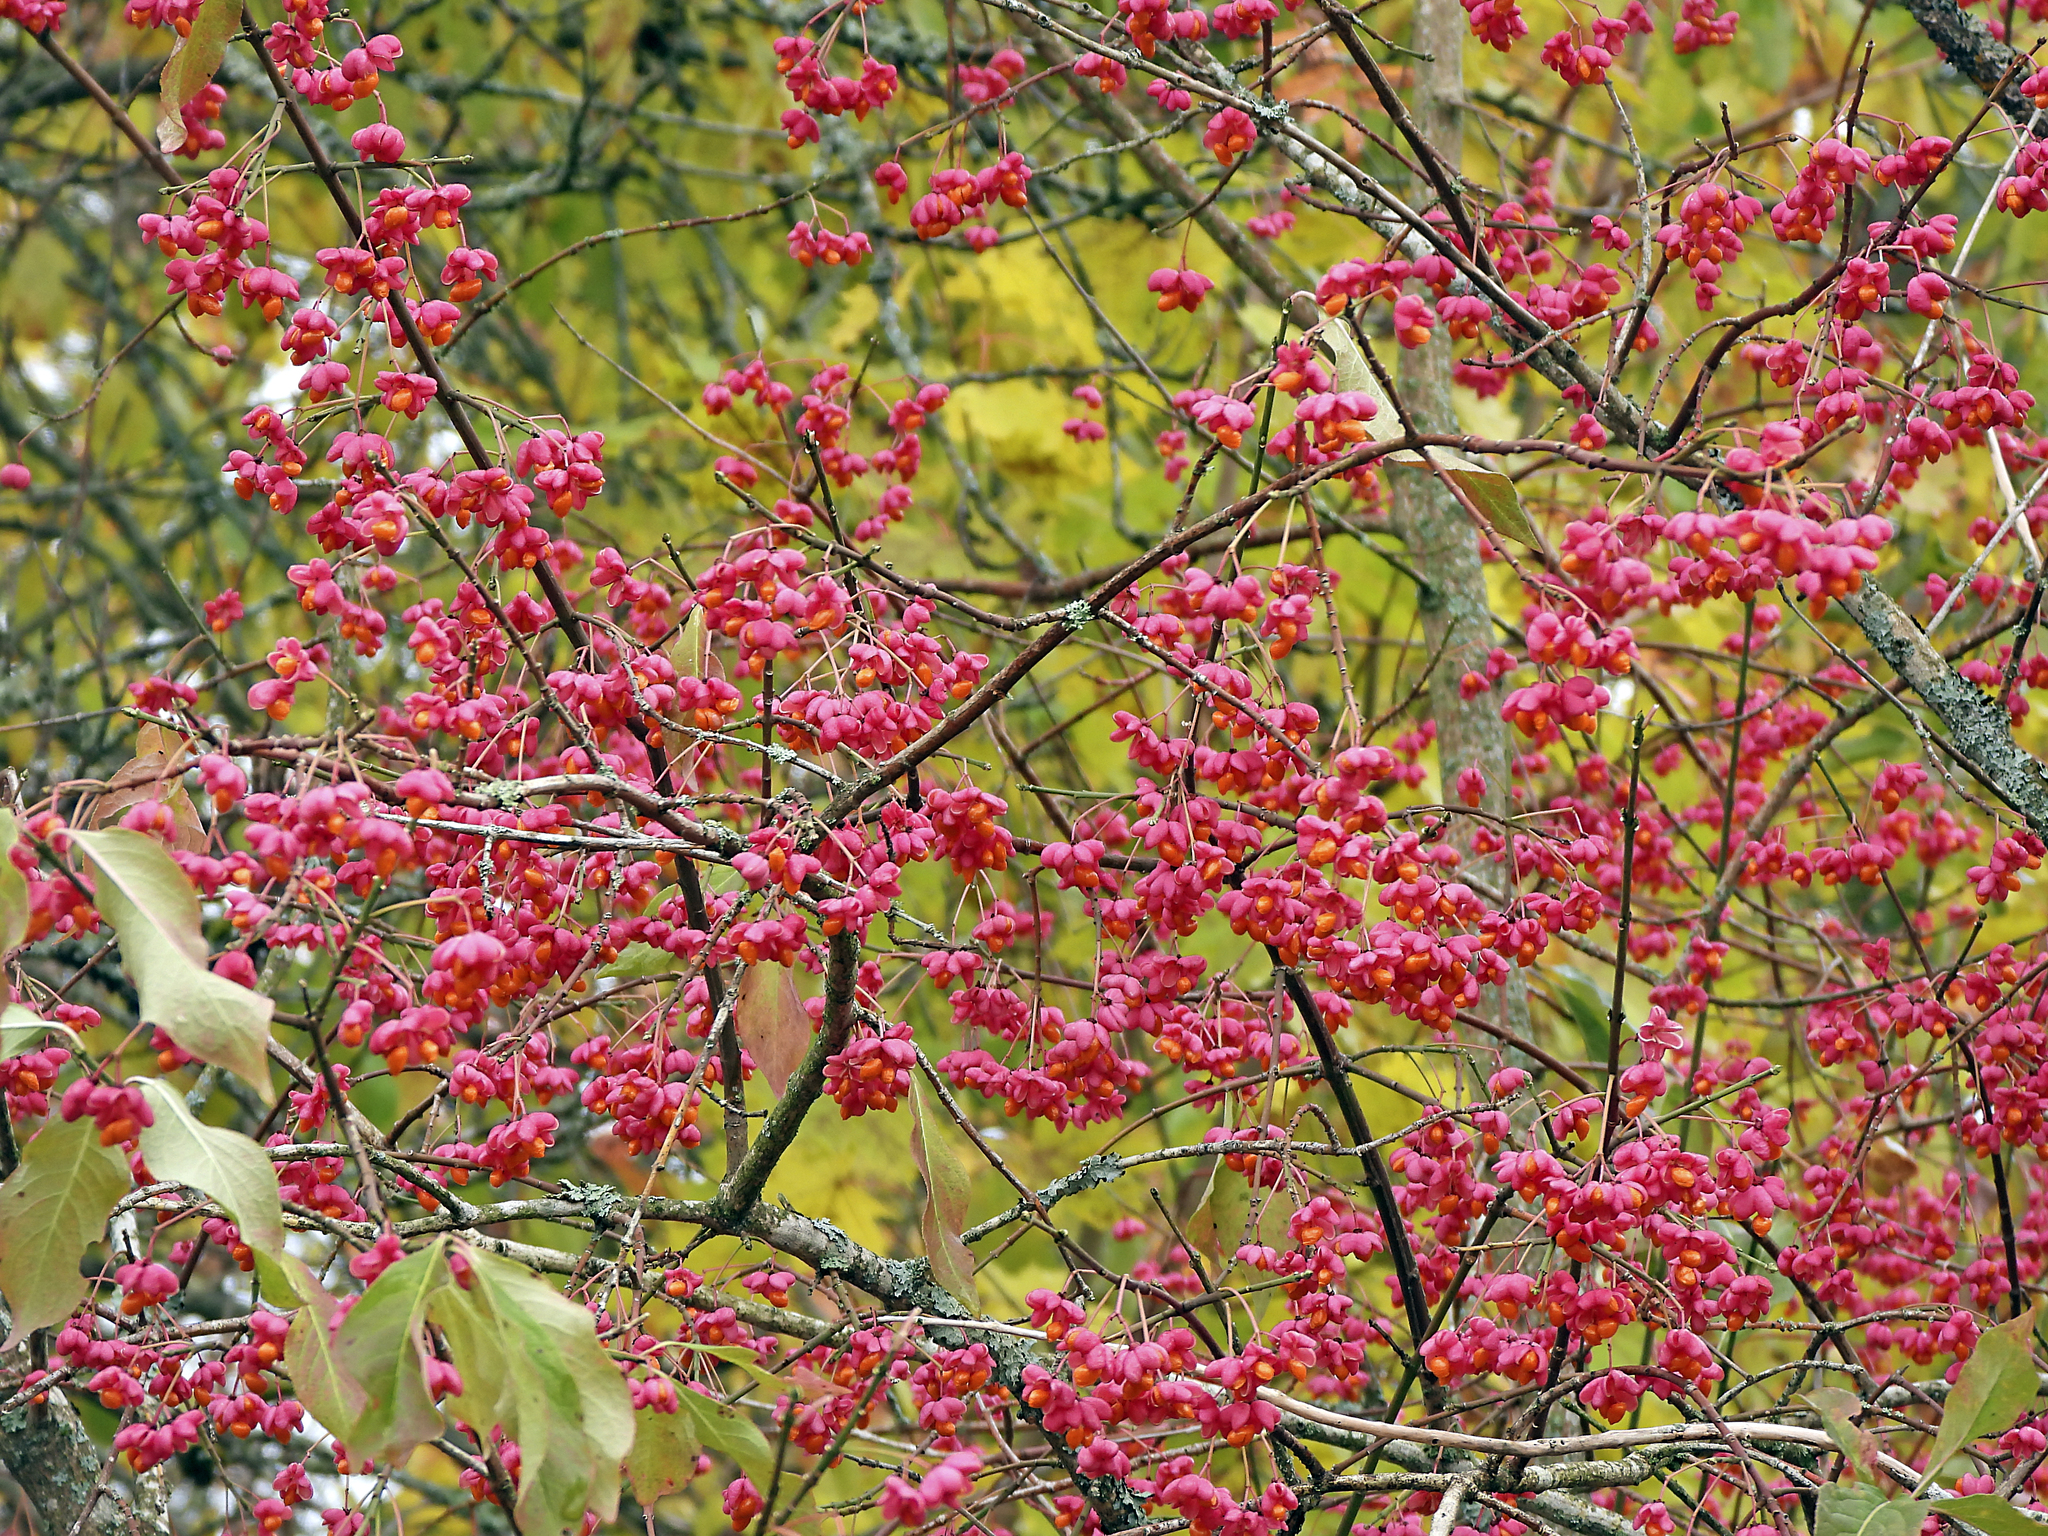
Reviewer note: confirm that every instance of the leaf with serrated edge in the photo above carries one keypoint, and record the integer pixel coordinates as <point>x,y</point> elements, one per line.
<point>1858,1509</point>
<point>194,61</point>
<point>724,1433</point>
<point>772,1023</point>
<point>223,1164</point>
<point>1990,1514</point>
<point>1991,1392</point>
<point>52,1209</point>
<point>155,911</point>
<point>945,1202</point>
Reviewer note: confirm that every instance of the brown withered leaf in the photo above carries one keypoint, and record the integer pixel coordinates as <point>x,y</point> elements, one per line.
<point>154,774</point>
<point>1888,1165</point>
<point>772,1023</point>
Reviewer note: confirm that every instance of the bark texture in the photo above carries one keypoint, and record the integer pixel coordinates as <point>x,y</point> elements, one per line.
<point>1967,43</point>
<point>1979,729</point>
<point>1457,620</point>
<point>1457,617</point>
<point>58,1466</point>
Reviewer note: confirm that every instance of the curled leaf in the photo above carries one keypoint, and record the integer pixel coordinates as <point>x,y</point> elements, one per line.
<point>194,61</point>
<point>1491,491</point>
<point>154,777</point>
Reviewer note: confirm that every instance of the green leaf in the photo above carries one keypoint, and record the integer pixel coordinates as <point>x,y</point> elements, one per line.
<point>155,911</point>
<point>319,1380</point>
<point>1837,1410</point>
<point>1491,491</point>
<point>637,961</point>
<point>725,1433</point>
<point>1218,1225</point>
<point>19,1026</point>
<point>690,651</point>
<point>531,1363</point>
<point>52,1209</point>
<point>13,888</point>
<point>192,65</point>
<point>380,1353</point>
<point>945,1202</point>
<point>1990,1514</point>
<point>1993,1389</point>
<point>664,1454</point>
<point>1858,1509</point>
<point>1588,1009</point>
<point>223,1164</point>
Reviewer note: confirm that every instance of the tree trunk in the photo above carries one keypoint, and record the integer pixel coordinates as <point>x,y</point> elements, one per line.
<point>1457,619</point>
<point>57,1465</point>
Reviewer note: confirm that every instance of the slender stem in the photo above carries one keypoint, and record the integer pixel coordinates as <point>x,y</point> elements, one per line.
<point>1734,753</point>
<point>1615,1017</point>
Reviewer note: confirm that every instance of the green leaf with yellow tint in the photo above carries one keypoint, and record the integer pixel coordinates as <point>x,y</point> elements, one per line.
<point>531,1364</point>
<point>1858,1509</point>
<point>194,61</point>
<point>725,1433</point>
<point>54,1207</point>
<point>664,1454</point>
<point>945,1201</point>
<point>155,911</point>
<point>14,913</point>
<point>377,1363</point>
<point>225,1165</point>
<point>1995,1386</point>
<point>1989,1514</point>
